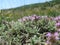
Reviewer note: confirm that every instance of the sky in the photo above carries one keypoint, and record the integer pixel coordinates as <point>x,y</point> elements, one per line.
<point>6,4</point>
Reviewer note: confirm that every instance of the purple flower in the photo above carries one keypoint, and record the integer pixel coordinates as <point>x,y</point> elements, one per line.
<point>23,19</point>
<point>52,37</point>
<point>37,17</point>
<point>57,18</point>
<point>32,18</point>
<point>57,24</point>
<point>48,34</point>
<point>48,42</point>
<point>56,35</point>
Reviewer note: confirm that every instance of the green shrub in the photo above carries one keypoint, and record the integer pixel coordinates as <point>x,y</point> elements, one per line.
<point>21,32</point>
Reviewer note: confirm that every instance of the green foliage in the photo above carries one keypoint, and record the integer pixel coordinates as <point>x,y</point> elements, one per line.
<point>29,31</point>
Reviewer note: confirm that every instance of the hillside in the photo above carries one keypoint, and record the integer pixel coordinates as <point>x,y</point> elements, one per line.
<point>51,8</point>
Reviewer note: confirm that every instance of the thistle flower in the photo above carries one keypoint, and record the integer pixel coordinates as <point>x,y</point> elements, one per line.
<point>48,34</point>
<point>56,35</point>
<point>32,18</point>
<point>52,37</point>
<point>57,24</point>
<point>23,19</point>
<point>57,19</point>
<point>37,17</point>
<point>26,17</point>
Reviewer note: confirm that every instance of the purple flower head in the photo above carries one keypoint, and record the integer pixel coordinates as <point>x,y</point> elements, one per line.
<point>27,18</point>
<point>57,24</point>
<point>23,19</point>
<point>52,36</point>
<point>32,18</point>
<point>48,34</point>
<point>48,42</point>
<point>57,18</point>
<point>37,17</point>
<point>56,35</point>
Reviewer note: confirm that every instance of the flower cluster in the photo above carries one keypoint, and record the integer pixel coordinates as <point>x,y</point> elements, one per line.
<point>52,37</point>
<point>31,18</point>
<point>57,19</point>
<point>32,29</point>
<point>34,17</point>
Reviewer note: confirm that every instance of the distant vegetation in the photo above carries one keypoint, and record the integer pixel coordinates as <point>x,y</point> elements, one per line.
<point>51,8</point>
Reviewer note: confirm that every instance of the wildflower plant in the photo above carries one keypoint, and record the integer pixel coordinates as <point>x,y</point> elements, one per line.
<point>36,31</point>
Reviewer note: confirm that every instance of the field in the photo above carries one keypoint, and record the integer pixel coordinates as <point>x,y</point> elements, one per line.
<point>35,24</point>
<point>31,30</point>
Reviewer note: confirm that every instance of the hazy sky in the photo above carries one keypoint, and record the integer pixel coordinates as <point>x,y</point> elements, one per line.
<point>4,4</point>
